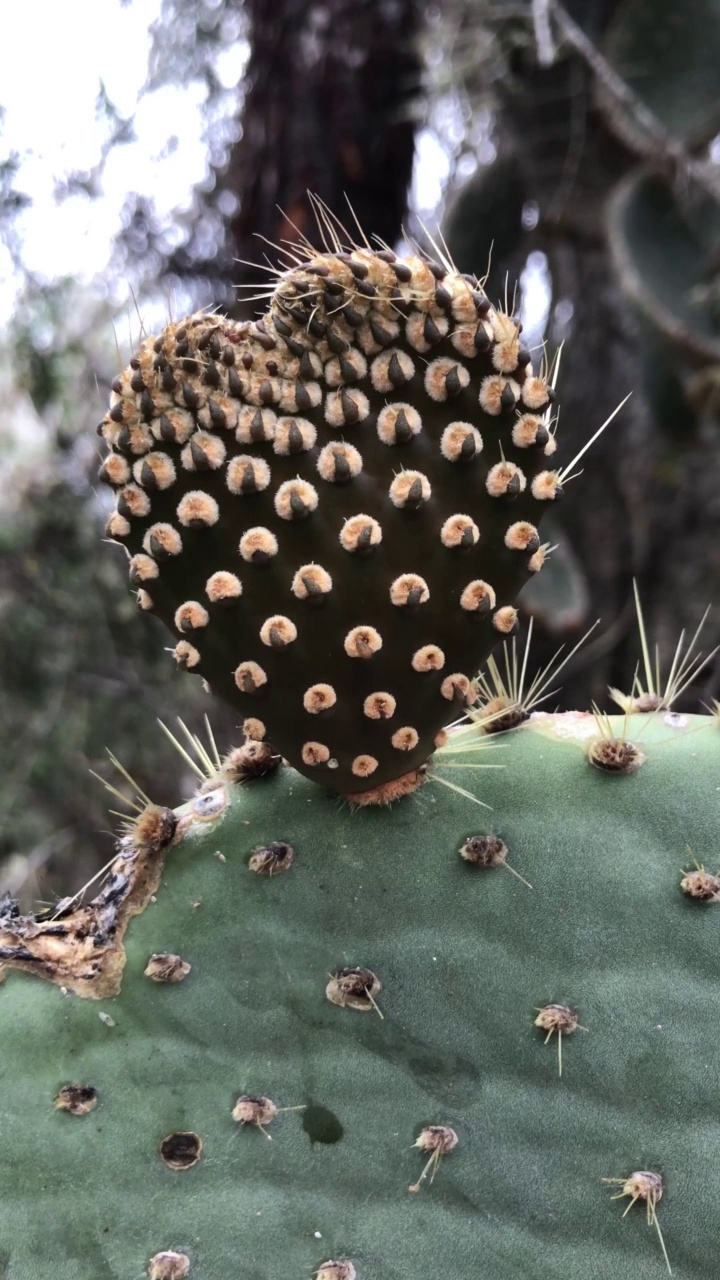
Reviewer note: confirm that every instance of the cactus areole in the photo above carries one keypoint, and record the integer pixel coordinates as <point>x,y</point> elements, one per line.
<point>334,508</point>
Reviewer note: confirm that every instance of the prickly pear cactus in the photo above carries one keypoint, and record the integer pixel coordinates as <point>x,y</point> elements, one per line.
<point>335,508</point>
<point>289,1037</point>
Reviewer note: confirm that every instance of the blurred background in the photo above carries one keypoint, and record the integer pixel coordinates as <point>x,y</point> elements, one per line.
<point>146,145</point>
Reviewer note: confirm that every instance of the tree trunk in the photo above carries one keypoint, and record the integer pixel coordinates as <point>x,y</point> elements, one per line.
<point>329,109</point>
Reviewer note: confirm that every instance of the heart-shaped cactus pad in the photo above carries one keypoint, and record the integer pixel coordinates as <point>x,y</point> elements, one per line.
<point>334,507</point>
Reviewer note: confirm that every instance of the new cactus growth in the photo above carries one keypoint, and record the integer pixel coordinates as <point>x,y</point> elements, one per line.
<point>335,508</point>
<point>291,1035</point>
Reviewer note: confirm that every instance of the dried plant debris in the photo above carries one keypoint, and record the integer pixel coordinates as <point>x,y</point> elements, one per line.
<point>78,945</point>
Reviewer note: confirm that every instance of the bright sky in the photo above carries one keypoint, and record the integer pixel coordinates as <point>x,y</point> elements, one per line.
<point>52,123</point>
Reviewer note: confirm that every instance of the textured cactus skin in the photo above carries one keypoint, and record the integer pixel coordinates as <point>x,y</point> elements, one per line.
<point>365,541</point>
<point>465,957</point>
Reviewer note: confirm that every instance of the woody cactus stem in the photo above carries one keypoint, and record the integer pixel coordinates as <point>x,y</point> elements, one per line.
<point>335,508</point>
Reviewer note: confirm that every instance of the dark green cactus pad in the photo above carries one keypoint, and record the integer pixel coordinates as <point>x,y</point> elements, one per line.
<point>464,957</point>
<point>668,53</point>
<point>335,508</point>
<point>664,247</point>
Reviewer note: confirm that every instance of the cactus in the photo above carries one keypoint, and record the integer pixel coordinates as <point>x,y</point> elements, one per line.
<point>374,991</point>
<point>335,508</point>
<point>295,1035</point>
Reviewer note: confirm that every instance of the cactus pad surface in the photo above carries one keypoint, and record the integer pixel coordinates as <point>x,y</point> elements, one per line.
<point>443,1071</point>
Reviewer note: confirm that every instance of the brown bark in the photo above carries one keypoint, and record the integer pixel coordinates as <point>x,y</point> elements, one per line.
<point>329,105</point>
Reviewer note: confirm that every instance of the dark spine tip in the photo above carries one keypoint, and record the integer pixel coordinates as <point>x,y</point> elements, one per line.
<point>415,496</point>
<point>137,383</point>
<point>453,386</point>
<point>482,341</point>
<point>217,416</point>
<point>341,473</point>
<point>190,396</point>
<point>306,367</point>
<point>513,487</point>
<point>353,316</point>
<point>542,435</point>
<point>302,396</point>
<point>168,381</point>
<point>336,344</point>
<point>314,591</point>
<point>299,509</point>
<point>199,457</point>
<point>443,297</point>
<point>167,430</point>
<point>147,408</point>
<point>351,413</point>
<point>157,549</point>
<point>116,413</point>
<point>348,370</point>
<point>211,375</point>
<point>147,477</point>
<point>468,448</point>
<point>402,271</point>
<point>266,392</point>
<point>316,328</point>
<point>395,372</point>
<point>381,336</point>
<point>248,483</point>
<point>257,430</point>
<point>431,333</point>
<point>507,398</point>
<point>235,387</point>
<point>403,430</point>
<point>296,444</point>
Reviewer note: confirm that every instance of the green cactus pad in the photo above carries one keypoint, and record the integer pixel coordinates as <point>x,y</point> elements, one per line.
<point>668,54</point>
<point>663,245</point>
<point>334,508</point>
<point>464,956</point>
